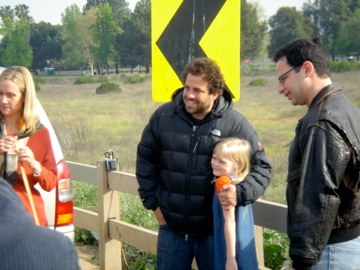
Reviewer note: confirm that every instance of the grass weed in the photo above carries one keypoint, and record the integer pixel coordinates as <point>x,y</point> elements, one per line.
<point>258,82</point>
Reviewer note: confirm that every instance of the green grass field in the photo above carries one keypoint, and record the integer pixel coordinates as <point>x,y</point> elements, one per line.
<point>88,125</point>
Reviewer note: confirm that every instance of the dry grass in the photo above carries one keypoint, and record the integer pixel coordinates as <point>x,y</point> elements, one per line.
<point>88,125</point>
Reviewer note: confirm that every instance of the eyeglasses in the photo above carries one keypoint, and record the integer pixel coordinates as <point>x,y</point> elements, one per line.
<point>281,77</point>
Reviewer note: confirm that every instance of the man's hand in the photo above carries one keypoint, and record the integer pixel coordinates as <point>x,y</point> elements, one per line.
<point>227,196</point>
<point>159,216</point>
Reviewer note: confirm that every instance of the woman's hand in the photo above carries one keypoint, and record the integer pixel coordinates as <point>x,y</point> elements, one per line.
<point>25,154</point>
<point>7,143</point>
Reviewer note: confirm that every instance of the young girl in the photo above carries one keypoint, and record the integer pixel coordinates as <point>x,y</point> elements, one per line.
<point>234,228</point>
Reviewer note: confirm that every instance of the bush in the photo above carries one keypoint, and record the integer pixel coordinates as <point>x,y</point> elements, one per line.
<point>135,79</point>
<point>84,237</point>
<point>276,248</point>
<point>344,66</point>
<point>85,80</point>
<point>37,82</point>
<point>254,70</point>
<point>258,82</point>
<point>102,79</point>
<point>108,87</point>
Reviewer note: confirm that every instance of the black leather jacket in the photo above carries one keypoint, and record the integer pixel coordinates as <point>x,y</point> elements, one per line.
<point>173,163</point>
<point>323,177</point>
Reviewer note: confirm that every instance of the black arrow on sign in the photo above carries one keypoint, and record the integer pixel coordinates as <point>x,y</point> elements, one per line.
<point>180,40</point>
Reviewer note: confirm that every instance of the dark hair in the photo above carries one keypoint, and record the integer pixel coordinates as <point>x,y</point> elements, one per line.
<point>207,69</point>
<point>306,49</point>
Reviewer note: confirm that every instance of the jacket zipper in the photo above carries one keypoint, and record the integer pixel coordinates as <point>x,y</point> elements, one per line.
<point>193,137</point>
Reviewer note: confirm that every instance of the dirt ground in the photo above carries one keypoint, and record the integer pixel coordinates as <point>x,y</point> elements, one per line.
<point>88,257</point>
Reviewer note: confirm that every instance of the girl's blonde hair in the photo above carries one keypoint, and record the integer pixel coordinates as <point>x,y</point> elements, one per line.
<point>236,150</point>
<point>23,78</point>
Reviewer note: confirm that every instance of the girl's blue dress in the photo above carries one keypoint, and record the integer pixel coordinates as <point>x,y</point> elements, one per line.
<point>245,241</point>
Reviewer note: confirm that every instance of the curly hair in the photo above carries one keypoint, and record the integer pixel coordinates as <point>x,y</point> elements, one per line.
<point>209,70</point>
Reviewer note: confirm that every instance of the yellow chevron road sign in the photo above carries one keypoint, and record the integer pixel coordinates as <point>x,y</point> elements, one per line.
<point>186,29</point>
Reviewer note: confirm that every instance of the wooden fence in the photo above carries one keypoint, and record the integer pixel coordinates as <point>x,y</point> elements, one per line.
<point>112,230</point>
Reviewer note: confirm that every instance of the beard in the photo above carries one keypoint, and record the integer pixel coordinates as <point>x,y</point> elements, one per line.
<point>198,107</point>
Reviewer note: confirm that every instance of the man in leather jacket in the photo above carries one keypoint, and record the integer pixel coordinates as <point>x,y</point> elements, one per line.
<point>324,162</point>
<point>173,165</point>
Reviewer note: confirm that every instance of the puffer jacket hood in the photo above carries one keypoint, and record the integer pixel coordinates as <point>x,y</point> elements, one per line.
<point>14,218</point>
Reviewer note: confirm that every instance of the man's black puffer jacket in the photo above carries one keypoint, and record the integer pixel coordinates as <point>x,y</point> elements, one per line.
<point>173,163</point>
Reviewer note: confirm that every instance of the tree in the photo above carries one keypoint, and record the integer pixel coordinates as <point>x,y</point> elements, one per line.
<point>286,25</point>
<point>93,3</point>
<point>348,41</point>
<point>121,13</point>
<point>46,43</point>
<point>135,43</point>
<point>126,43</point>
<point>22,11</point>
<point>17,51</point>
<point>329,15</point>
<point>104,33</point>
<point>6,12</point>
<point>73,37</point>
<point>141,47</point>
<point>87,44</point>
<point>252,31</point>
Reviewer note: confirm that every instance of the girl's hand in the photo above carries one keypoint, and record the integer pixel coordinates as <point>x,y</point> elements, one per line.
<point>26,155</point>
<point>7,143</point>
<point>231,264</point>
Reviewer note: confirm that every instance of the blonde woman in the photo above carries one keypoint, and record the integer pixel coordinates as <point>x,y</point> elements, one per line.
<point>233,229</point>
<point>24,142</point>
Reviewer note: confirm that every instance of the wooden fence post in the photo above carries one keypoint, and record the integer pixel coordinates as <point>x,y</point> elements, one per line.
<point>259,245</point>
<point>108,208</point>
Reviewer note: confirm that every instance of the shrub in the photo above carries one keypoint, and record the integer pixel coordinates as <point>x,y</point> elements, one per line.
<point>84,237</point>
<point>39,79</point>
<point>254,70</point>
<point>85,80</point>
<point>258,82</point>
<point>108,87</point>
<point>135,79</point>
<point>37,82</point>
<point>102,79</point>
<point>276,248</point>
<point>343,66</point>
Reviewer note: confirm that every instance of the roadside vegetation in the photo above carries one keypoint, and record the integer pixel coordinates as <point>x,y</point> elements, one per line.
<point>88,125</point>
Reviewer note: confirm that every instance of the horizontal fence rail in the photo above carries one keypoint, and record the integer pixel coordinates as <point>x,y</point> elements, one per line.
<point>111,230</point>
